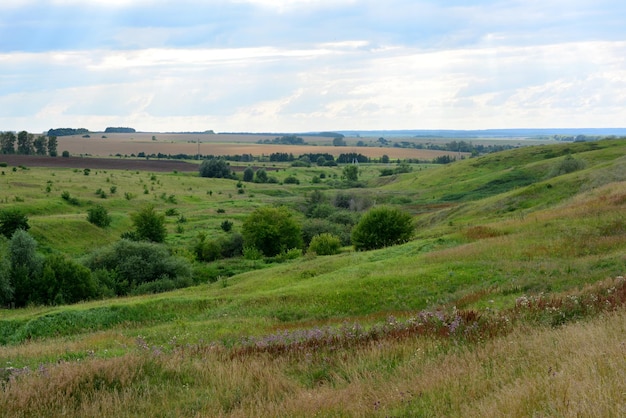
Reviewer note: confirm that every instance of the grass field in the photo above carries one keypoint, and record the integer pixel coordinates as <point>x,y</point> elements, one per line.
<point>509,301</point>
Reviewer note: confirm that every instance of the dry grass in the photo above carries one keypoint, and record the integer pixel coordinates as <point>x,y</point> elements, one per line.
<point>574,370</point>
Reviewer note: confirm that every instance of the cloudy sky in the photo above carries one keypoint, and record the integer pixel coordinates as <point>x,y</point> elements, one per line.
<point>312,65</point>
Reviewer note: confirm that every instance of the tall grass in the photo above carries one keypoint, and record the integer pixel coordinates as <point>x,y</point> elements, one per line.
<point>571,370</point>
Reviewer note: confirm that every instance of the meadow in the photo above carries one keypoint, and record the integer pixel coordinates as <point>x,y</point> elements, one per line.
<point>508,301</point>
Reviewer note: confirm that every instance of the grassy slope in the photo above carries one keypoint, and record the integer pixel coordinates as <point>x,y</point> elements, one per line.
<point>526,234</point>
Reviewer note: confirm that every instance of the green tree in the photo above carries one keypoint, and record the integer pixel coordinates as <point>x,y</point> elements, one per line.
<point>215,168</point>
<point>248,174</point>
<point>11,220</point>
<point>149,225</point>
<point>351,172</point>
<point>41,145</point>
<point>7,143</point>
<point>25,143</point>
<point>261,176</point>
<point>339,142</point>
<point>63,281</point>
<point>6,289</point>
<point>272,231</point>
<point>52,146</point>
<point>25,265</point>
<point>380,227</point>
<point>99,216</point>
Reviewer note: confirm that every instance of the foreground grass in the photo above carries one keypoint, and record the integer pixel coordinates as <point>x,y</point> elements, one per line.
<point>572,370</point>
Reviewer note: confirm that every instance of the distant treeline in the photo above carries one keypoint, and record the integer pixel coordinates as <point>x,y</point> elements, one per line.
<point>119,130</point>
<point>67,131</point>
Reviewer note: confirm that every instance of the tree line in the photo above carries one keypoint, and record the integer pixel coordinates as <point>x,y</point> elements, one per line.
<point>25,143</point>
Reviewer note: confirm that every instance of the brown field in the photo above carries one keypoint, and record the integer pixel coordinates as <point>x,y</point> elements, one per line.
<point>220,144</point>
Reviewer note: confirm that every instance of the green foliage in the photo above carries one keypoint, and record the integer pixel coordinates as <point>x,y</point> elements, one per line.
<point>134,263</point>
<point>248,174</point>
<point>351,172</point>
<point>99,216</point>
<point>7,143</point>
<point>25,265</point>
<point>149,225</point>
<point>215,168</point>
<point>382,227</point>
<point>52,146</point>
<point>65,154</point>
<point>223,247</point>
<point>567,165</point>
<point>41,145</point>
<point>226,225</point>
<point>325,244</point>
<point>11,220</point>
<point>291,180</point>
<point>63,281</point>
<point>6,289</point>
<point>25,143</point>
<point>261,176</point>
<point>272,231</point>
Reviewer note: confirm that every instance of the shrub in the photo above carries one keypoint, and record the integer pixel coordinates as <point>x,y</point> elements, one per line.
<point>291,180</point>
<point>381,227</point>
<point>248,174</point>
<point>325,244</point>
<point>261,176</point>
<point>272,231</point>
<point>226,226</point>
<point>131,264</point>
<point>63,281</point>
<point>65,154</point>
<point>99,216</point>
<point>171,212</point>
<point>11,220</point>
<point>568,165</point>
<point>149,225</point>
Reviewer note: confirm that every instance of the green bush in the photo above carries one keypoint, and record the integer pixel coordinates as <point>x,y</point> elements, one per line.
<point>132,263</point>
<point>381,227</point>
<point>226,225</point>
<point>248,174</point>
<point>272,231</point>
<point>12,220</point>
<point>325,244</point>
<point>149,225</point>
<point>99,216</point>
<point>568,165</point>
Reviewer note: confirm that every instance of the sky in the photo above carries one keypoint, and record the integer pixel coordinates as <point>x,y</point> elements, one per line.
<point>311,65</point>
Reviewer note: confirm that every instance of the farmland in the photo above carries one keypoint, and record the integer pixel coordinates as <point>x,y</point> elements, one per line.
<point>224,144</point>
<point>508,300</point>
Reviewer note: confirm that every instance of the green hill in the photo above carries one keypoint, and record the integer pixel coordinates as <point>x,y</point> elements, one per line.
<point>520,249</point>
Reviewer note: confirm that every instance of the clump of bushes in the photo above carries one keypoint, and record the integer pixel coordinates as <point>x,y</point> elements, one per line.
<point>325,244</point>
<point>135,267</point>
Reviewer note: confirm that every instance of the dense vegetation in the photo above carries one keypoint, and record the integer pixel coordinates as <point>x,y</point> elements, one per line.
<point>507,299</point>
